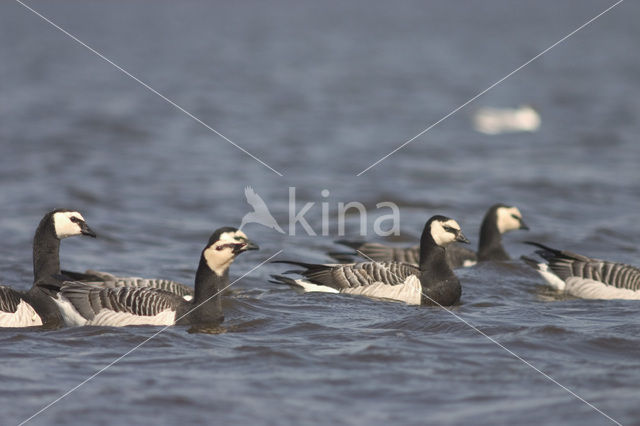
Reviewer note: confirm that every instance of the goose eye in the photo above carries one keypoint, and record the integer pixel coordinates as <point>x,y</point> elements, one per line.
<point>219,248</point>
<point>449,229</point>
<point>515,217</point>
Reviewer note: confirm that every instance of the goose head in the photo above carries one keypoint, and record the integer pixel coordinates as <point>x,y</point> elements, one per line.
<point>508,218</point>
<point>68,223</point>
<point>223,247</point>
<point>444,231</point>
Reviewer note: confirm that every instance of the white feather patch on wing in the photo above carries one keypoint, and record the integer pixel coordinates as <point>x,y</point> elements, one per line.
<point>310,287</point>
<point>24,316</point>
<point>409,292</point>
<point>591,289</point>
<point>69,313</point>
<point>552,279</point>
<point>468,263</point>
<point>120,319</point>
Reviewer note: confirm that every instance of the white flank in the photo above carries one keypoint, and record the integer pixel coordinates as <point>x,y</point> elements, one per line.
<point>120,319</point>
<point>467,263</point>
<point>554,281</point>
<point>24,316</point>
<point>187,297</point>
<point>409,292</point>
<point>310,287</point>
<point>590,289</point>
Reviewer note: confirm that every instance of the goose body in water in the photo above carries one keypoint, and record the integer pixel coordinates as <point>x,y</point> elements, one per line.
<point>89,304</point>
<point>35,307</point>
<point>431,283</point>
<point>585,277</point>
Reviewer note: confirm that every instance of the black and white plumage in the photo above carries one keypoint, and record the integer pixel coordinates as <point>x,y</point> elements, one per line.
<point>499,219</point>
<point>106,279</point>
<point>90,304</point>
<point>584,277</point>
<point>15,310</point>
<point>36,307</point>
<point>432,283</point>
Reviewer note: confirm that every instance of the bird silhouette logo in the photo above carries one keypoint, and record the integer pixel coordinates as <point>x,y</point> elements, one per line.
<point>260,214</point>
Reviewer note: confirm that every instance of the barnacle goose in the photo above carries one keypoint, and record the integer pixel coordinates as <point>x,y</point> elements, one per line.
<point>88,304</point>
<point>584,277</point>
<point>499,219</point>
<point>109,280</point>
<point>36,307</point>
<point>433,282</point>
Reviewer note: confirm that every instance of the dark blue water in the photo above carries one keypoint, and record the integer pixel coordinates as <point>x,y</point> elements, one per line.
<point>320,91</point>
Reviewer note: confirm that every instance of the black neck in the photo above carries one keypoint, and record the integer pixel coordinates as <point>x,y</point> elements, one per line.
<point>490,244</point>
<point>433,262</point>
<point>439,283</point>
<point>46,251</point>
<point>207,296</point>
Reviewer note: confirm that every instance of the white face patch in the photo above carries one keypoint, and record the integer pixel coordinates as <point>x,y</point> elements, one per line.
<point>219,257</point>
<point>220,254</point>
<point>506,220</point>
<point>440,235</point>
<point>64,226</point>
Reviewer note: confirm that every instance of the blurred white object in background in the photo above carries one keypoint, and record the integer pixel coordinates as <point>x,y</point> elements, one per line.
<point>493,121</point>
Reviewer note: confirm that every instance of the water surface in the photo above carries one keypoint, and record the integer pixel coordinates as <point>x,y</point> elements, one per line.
<point>319,91</point>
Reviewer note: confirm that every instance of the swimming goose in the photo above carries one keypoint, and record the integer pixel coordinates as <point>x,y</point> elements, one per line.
<point>584,277</point>
<point>35,307</point>
<point>432,283</point>
<point>499,219</point>
<point>89,304</point>
<point>109,280</point>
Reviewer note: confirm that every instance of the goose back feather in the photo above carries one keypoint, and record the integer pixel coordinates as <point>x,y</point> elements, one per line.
<point>87,304</point>
<point>109,280</point>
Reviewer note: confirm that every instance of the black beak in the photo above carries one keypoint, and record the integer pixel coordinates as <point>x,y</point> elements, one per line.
<point>247,245</point>
<point>85,230</point>
<point>461,238</point>
<point>523,225</point>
